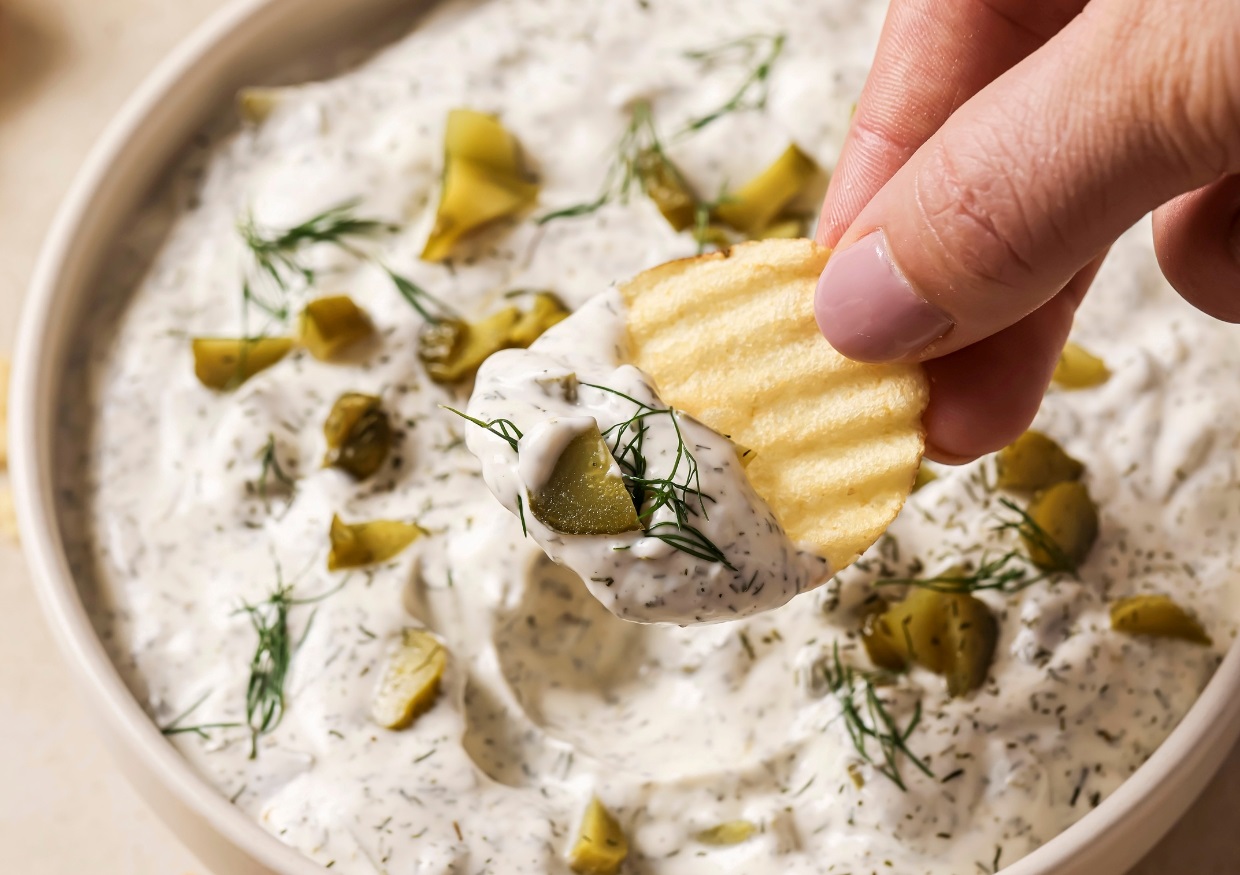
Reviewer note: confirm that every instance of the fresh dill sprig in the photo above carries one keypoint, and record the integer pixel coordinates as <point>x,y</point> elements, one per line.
<point>279,254</point>
<point>639,161</point>
<point>869,721</point>
<point>273,654</point>
<point>762,49</point>
<point>271,469</point>
<point>680,491</point>
<point>1008,574</point>
<point>174,726</point>
<point>1029,530</point>
<point>419,298</point>
<point>505,429</point>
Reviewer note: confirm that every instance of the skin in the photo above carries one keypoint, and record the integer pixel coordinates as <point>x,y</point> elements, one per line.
<point>1001,146</point>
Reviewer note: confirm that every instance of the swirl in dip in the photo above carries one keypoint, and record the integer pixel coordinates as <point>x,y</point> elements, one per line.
<point>209,568</point>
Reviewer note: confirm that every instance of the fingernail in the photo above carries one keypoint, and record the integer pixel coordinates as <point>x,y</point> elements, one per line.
<point>867,309</point>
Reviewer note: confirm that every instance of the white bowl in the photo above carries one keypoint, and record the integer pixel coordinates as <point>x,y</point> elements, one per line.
<point>236,47</point>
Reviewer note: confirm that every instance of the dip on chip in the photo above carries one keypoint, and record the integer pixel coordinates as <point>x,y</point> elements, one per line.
<point>691,446</point>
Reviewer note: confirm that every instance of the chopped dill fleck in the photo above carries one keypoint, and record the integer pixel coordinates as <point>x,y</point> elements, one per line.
<point>174,726</point>
<point>870,720</point>
<point>761,49</point>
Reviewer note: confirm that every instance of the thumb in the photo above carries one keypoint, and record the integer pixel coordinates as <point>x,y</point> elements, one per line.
<point>1034,177</point>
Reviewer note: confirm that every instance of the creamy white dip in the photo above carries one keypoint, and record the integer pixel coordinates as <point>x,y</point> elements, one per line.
<point>548,698</point>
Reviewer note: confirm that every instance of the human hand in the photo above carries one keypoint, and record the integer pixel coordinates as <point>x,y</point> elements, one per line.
<point>998,149</point>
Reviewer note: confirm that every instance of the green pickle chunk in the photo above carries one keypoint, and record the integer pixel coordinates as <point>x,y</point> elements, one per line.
<point>356,544</point>
<point>1034,461</point>
<point>330,325</point>
<point>1157,616</point>
<point>755,206</point>
<point>1065,527</point>
<point>664,185</point>
<point>950,633</point>
<point>358,434</point>
<point>582,496</point>
<point>600,846</point>
<point>409,684</point>
<point>732,832</point>
<point>225,362</point>
<point>452,349</point>
<point>482,180</point>
<point>1078,368</point>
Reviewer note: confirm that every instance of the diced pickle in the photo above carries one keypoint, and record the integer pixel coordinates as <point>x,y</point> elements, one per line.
<point>950,633</point>
<point>481,138</point>
<point>754,206</point>
<point>1078,368</point>
<point>452,350</point>
<point>600,846</point>
<point>226,362</point>
<point>329,325</point>
<point>545,310</point>
<point>783,229</point>
<point>1068,517</point>
<point>733,832</point>
<point>1033,461</point>
<point>356,544</point>
<point>582,496</point>
<point>255,104</point>
<point>410,680</point>
<point>1156,615</point>
<point>665,185</point>
<point>473,195</point>
<point>358,433</point>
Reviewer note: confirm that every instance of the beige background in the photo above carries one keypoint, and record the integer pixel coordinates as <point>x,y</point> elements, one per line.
<point>65,66</point>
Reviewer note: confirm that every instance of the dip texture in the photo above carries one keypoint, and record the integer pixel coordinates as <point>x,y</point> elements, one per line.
<point>179,521</point>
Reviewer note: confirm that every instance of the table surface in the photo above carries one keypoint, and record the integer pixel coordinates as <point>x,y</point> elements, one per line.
<point>65,67</point>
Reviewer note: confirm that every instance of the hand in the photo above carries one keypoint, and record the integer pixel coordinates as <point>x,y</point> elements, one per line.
<point>998,149</point>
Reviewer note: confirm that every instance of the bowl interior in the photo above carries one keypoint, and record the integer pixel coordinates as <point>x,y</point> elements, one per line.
<point>292,40</point>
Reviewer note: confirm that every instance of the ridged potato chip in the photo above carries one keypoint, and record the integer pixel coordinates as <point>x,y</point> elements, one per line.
<point>730,338</point>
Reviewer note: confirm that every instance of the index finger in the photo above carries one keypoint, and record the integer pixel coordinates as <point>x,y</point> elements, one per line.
<point>932,57</point>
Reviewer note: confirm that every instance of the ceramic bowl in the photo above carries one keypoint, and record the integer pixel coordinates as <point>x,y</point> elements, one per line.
<point>244,44</point>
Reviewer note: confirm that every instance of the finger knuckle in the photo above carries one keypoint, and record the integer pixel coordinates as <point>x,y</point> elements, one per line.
<point>977,214</point>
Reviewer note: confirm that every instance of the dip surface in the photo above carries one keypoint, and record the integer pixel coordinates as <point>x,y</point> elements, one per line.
<point>548,699</point>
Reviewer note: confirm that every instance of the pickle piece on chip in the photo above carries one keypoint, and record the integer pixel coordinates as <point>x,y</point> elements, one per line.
<point>1157,616</point>
<point>600,847</point>
<point>410,680</point>
<point>584,495</point>
<point>730,338</point>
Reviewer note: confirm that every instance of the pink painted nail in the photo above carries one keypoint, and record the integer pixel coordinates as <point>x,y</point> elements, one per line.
<point>868,310</point>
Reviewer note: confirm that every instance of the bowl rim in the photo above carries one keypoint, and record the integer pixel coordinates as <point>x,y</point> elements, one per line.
<point>1195,748</point>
